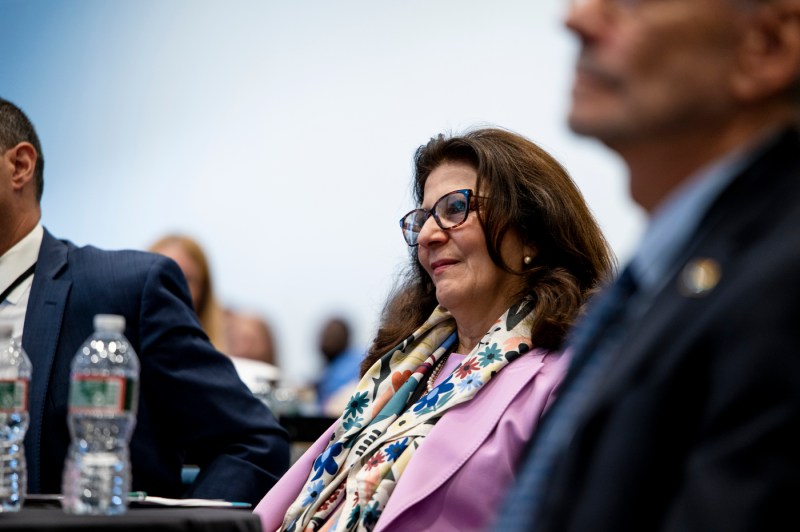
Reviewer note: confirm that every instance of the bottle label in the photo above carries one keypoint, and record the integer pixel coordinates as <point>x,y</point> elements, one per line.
<point>13,395</point>
<point>106,394</point>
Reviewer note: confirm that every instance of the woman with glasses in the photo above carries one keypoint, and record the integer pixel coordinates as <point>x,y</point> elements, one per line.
<point>503,254</point>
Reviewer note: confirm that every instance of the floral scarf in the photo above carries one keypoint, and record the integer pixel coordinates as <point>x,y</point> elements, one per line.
<point>378,433</point>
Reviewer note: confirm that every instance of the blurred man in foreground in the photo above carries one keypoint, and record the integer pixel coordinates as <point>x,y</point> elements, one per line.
<point>681,408</point>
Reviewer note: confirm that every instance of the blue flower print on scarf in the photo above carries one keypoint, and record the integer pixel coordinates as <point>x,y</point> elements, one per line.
<point>326,461</point>
<point>371,515</point>
<point>356,404</point>
<point>313,492</point>
<point>351,423</point>
<point>472,381</point>
<point>489,355</point>
<point>430,400</point>
<point>396,449</point>
<point>352,519</point>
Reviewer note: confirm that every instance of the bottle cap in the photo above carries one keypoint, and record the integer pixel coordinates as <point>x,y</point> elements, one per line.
<point>6,331</point>
<point>109,322</point>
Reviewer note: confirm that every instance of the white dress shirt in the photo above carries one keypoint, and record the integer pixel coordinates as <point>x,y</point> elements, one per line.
<point>14,263</point>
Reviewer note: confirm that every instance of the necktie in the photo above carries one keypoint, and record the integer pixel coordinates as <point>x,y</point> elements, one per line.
<point>593,341</point>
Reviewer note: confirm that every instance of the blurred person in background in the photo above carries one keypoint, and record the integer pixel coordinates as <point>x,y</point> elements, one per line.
<point>251,347</point>
<point>342,366</point>
<point>503,254</point>
<point>192,406</point>
<point>194,264</point>
<point>245,337</point>
<point>250,336</point>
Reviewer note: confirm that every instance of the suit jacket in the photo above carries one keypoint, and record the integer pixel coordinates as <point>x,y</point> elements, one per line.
<point>458,476</point>
<point>695,426</point>
<point>192,406</point>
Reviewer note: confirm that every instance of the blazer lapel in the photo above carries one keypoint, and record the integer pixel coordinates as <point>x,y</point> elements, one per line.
<point>457,436</point>
<point>43,319</point>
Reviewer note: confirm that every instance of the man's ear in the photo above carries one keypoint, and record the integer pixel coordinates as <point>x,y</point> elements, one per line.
<point>769,54</point>
<point>23,156</point>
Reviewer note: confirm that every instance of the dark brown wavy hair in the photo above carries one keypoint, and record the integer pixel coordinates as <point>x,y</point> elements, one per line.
<point>530,194</point>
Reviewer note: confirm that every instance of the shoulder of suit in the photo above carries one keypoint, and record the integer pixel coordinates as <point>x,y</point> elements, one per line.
<point>133,265</point>
<point>126,256</point>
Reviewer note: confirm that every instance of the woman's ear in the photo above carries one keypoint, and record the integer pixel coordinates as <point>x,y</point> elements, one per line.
<point>528,256</point>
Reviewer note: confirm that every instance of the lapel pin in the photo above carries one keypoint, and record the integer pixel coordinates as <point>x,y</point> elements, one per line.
<point>699,277</point>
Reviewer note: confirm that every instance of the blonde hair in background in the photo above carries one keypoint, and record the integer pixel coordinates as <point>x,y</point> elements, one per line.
<point>211,314</point>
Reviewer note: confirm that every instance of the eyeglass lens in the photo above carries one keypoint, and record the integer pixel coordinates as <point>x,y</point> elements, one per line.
<point>449,211</point>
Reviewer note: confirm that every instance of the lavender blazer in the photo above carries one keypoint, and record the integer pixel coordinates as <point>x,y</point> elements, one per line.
<point>457,478</point>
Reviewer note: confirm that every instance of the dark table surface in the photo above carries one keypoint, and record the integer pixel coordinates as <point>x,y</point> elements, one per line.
<point>53,518</point>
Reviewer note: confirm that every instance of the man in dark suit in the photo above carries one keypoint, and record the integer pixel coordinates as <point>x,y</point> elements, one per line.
<point>192,406</point>
<point>682,405</point>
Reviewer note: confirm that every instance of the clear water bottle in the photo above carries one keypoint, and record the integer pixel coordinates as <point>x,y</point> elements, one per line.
<point>15,375</point>
<point>103,396</point>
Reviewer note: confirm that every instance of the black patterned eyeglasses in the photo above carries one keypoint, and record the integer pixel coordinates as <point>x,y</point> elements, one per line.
<point>449,211</point>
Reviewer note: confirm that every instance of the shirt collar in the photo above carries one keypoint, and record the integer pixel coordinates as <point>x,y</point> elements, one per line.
<point>678,216</point>
<point>20,257</point>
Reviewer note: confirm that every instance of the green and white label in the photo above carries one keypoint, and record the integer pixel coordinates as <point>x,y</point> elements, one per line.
<point>107,394</point>
<point>13,395</point>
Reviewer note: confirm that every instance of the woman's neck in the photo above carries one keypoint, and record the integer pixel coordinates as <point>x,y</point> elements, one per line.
<point>473,323</point>
<point>470,333</point>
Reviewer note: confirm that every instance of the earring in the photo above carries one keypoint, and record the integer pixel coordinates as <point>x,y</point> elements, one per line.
<point>528,260</point>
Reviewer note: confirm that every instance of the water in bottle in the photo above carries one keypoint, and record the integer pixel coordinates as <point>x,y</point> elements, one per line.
<point>15,375</point>
<point>102,414</point>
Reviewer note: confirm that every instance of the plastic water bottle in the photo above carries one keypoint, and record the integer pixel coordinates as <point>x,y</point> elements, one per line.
<point>15,375</point>
<point>103,396</point>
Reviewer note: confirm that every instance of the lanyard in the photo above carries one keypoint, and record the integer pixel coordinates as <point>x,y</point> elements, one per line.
<point>19,280</point>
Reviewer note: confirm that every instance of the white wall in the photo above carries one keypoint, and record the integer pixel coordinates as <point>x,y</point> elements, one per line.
<point>280,134</point>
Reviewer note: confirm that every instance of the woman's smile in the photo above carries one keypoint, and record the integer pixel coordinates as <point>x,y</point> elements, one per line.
<point>439,266</point>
